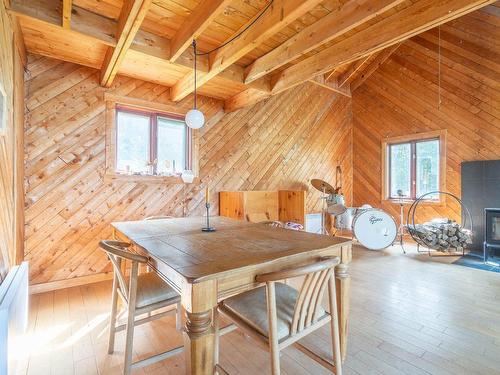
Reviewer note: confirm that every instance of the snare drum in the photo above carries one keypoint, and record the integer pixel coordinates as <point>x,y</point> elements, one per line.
<point>344,221</point>
<point>335,204</point>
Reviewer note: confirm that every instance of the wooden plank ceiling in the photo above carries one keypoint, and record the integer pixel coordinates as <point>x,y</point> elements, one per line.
<point>333,43</point>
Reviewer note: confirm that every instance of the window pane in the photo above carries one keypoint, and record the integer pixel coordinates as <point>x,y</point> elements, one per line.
<point>132,143</point>
<point>427,167</point>
<point>400,170</point>
<point>171,146</point>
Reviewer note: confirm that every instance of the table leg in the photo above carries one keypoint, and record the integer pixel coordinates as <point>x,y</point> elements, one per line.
<point>343,293</point>
<point>199,332</point>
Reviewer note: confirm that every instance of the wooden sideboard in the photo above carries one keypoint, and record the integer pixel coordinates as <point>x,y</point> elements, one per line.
<point>283,205</point>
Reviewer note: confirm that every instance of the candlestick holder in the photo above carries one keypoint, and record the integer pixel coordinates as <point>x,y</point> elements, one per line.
<point>208,228</point>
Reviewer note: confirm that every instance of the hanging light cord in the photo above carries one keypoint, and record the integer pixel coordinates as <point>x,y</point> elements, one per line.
<point>237,35</point>
<point>195,54</point>
<point>439,67</point>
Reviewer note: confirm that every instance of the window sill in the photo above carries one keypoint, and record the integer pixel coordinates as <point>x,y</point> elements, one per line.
<point>147,179</point>
<point>409,202</point>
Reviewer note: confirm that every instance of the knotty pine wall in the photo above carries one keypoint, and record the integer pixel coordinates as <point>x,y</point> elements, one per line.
<point>10,154</point>
<point>278,144</point>
<point>404,96</point>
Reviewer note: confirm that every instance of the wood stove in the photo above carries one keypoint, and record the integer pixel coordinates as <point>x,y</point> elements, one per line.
<point>492,230</point>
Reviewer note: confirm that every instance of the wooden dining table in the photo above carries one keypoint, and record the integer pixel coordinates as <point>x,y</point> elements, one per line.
<point>207,267</point>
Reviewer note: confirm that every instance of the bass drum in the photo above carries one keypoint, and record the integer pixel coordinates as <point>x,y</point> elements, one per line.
<point>374,229</point>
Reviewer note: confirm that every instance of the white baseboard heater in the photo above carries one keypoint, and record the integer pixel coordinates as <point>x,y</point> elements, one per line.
<point>13,313</point>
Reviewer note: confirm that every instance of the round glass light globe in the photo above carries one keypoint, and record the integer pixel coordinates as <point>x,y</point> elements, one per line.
<point>195,119</point>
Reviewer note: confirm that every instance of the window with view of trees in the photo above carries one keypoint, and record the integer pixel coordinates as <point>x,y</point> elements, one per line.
<point>151,143</point>
<point>413,168</point>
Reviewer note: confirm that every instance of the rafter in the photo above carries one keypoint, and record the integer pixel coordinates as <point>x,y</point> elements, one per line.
<point>373,66</point>
<point>349,16</point>
<point>131,17</point>
<point>88,25</point>
<point>66,14</point>
<point>245,98</point>
<point>280,14</point>
<point>332,86</point>
<point>330,74</point>
<point>412,20</point>
<point>353,69</point>
<point>194,25</point>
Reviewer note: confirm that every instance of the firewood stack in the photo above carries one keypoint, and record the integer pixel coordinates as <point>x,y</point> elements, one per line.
<point>441,235</point>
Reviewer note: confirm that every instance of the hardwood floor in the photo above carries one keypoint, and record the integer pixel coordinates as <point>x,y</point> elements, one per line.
<point>410,315</point>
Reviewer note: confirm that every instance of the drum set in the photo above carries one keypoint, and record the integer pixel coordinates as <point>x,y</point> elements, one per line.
<point>374,228</point>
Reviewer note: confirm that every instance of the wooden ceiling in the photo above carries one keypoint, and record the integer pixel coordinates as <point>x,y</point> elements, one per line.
<point>333,43</point>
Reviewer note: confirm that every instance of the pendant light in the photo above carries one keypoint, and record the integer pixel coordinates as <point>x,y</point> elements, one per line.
<point>195,118</point>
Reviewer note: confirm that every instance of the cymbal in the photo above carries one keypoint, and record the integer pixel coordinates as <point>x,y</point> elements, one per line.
<point>322,186</point>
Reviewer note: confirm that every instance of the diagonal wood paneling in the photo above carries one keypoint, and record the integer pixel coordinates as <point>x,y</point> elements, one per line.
<point>280,143</point>
<point>404,96</point>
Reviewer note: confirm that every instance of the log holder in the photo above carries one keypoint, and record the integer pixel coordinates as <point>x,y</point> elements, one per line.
<point>466,222</point>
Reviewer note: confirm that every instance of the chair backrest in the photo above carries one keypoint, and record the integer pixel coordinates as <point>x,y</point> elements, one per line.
<point>273,223</point>
<point>158,217</point>
<point>117,251</point>
<point>257,217</point>
<point>308,304</point>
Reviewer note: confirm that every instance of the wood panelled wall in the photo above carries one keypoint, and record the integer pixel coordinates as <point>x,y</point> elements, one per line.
<point>278,144</point>
<point>408,95</point>
<point>11,155</point>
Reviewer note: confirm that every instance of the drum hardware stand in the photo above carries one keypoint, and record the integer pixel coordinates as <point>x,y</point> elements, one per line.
<point>326,190</point>
<point>323,212</point>
<point>401,228</point>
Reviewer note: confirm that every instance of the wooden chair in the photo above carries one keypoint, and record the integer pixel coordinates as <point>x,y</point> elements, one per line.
<point>257,217</point>
<point>277,315</point>
<point>142,294</point>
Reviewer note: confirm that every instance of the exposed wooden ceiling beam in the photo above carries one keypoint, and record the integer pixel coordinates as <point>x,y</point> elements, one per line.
<point>194,25</point>
<point>280,14</point>
<point>243,99</point>
<point>373,66</point>
<point>353,69</point>
<point>332,86</point>
<point>330,74</point>
<point>87,25</point>
<point>66,14</point>
<point>349,16</point>
<point>129,21</point>
<point>412,20</point>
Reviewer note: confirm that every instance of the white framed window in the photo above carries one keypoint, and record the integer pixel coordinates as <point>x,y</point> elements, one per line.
<point>146,142</point>
<point>413,166</point>
<point>151,143</point>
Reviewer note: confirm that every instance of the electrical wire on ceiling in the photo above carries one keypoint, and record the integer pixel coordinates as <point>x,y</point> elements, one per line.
<point>194,117</point>
<point>239,34</point>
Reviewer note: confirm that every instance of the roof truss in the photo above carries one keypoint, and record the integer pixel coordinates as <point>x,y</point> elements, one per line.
<point>131,17</point>
<point>194,25</point>
<point>418,17</point>
<point>280,14</point>
<point>345,42</point>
